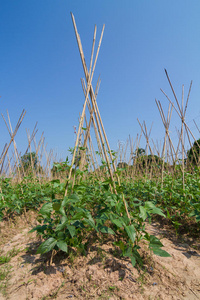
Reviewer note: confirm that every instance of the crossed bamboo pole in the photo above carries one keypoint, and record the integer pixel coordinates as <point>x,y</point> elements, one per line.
<point>89,92</point>
<point>181,111</point>
<point>12,136</point>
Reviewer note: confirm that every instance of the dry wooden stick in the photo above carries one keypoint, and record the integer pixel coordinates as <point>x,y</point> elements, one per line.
<point>31,138</point>
<point>136,152</point>
<point>94,105</point>
<point>132,147</point>
<point>96,111</point>
<point>18,160</point>
<point>147,142</point>
<point>181,113</point>
<point>4,148</point>
<point>125,150</point>
<point>29,142</point>
<point>92,53</point>
<point>92,120</point>
<point>80,127</point>
<point>13,135</point>
<point>196,125</point>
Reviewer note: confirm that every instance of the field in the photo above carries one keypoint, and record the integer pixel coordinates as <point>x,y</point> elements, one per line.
<point>84,246</point>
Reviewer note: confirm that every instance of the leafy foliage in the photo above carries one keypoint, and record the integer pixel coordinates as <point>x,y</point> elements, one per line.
<point>92,211</point>
<point>17,198</point>
<point>26,160</point>
<point>193,155</point>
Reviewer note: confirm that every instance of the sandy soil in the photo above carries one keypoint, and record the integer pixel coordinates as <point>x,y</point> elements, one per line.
<point>99,275</point>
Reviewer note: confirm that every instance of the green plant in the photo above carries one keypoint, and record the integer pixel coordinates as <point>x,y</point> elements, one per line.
<point>4,259</point>
<point>92,210</point>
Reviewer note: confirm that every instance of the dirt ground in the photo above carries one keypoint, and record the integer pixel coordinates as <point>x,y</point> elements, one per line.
<point>99,275</point>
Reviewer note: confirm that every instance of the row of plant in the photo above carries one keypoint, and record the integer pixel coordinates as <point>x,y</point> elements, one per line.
<point>91,212</point>
<point>17,198</point>
<point>180,205</point>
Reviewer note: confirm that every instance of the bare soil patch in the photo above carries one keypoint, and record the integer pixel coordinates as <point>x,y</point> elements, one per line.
<point>100,274</point>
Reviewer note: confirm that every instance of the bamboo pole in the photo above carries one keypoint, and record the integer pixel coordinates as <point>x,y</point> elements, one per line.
<point>83,112</point>
<point>13,135</point>
<point>96,110</point>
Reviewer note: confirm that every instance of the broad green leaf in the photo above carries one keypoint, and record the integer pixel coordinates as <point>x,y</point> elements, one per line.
<point>47,246</point>
<point>61,235</point>
<point>143,213</point>
<point>117,223</point>
<point>130,229</point>
<point>62,245</point>
<point>154,241</point>
<point>91,223</point>
<point>105,229</point>
<point>61,226</point>
<point>65,201</point>
<point>39,229</point>
<point>151,208</point>
<point>192,214</point>
<point>74,198</point>
<point>120,244</point>
<point>198,218</point>
<point>160,252</point>
<point>46,209</point>
<point>56,206</point>
<point>128,252</point>
<point>133,260</point>
<point>72,230</point>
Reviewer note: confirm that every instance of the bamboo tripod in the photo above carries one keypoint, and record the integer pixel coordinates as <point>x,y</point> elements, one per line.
<point>95,117</point>
<point>181,111</point>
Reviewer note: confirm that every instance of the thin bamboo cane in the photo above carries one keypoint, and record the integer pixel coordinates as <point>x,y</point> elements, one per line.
<point>92,120</point>
<point>13,135</point>
<point>81,121</point>
<point>93,99</point>
<point>196,125</point>
<point>15,147</point>
<point>96,111</point>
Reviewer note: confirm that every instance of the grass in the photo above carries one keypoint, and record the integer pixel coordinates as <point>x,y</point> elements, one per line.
<point>5,271</point>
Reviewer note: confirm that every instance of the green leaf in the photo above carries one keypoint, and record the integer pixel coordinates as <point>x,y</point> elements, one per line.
<point>72,230</point>
<point>91,223</point>
<point>160,252</point>
<point>39,229</point>
<point>152,209</point>
<point>61,226</point>
<point>62,245</point>
<point>46,209</point>
<point>105,229</point>
<point>130,229</point>
<point>143,213</point>
<point>61,235</point>
<point>155,242</point>
<point>46,246</point>
<point>197,218</point>
<point>133,260</point>
<point>117,223</point>
<point>56,206</point>
<point>74,198</point>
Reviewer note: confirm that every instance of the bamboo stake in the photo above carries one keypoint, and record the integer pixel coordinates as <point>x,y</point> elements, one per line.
<point>13,135</point>
<point>92,120</point>
<point>96,111</point>
<point>82,117</point>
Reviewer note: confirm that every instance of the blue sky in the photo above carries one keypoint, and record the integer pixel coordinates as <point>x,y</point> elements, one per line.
<point>40,66</point>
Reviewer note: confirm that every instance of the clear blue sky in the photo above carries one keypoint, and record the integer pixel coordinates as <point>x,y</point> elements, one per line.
<point>40,66</point>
